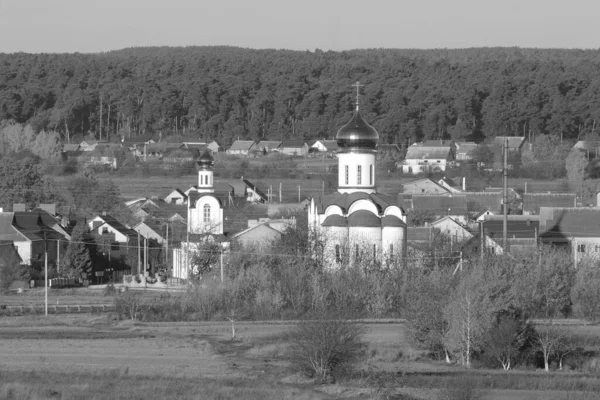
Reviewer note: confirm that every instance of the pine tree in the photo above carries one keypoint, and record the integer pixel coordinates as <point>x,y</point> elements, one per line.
<point>77,262</point>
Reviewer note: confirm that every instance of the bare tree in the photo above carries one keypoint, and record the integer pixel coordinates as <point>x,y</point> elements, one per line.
<point>549,339</point>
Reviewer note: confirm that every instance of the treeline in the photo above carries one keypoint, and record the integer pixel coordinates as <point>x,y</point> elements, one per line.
<point>225,93</point>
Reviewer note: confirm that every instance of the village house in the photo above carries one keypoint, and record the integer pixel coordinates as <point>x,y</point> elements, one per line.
<point>522,230</point>
<point>214,147</point>
<point>424,159</point>
<point>464,150</point>
<point>325,146</point>
<point>451,186</point>
<point>268,146</point>
<point>575,228</point>
<point>119,243</point>
<point>254,194</point>
<point>176,197</point>
<point>424,186</point>
<point>241,148</point>
<point>263,231</point>
<point>532,202</point>
<point>152,230</point>
<point>294,147</point>
<point>452,229</point>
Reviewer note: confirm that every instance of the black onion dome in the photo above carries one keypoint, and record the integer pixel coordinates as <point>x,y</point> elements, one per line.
<point>205,160</point>
<point>357,134</point>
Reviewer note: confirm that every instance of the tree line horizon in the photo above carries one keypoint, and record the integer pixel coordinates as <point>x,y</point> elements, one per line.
<point>226,93</point>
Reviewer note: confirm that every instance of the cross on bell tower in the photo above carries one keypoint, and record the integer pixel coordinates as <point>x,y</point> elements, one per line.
<point>358,86</point>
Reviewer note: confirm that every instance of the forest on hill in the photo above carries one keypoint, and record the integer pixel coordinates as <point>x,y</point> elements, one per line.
<point>226,92</point>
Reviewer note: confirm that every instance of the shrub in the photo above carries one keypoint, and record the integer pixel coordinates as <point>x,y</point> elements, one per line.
<point>131,306</point>
<point>462,388</point>
<point>323,348</point>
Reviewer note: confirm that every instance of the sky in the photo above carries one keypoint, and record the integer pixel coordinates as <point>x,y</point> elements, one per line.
<point>90,26</point>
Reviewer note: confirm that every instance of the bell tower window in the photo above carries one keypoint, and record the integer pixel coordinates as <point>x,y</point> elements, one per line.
<point>347,174</point>
<point>359,175</point>
<point>371,174</point>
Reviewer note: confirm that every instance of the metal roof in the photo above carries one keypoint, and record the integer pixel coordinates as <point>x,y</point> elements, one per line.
<point>428,153</point>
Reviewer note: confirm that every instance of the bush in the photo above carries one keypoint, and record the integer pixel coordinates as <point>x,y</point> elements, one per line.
<point>325,347</point>
<point>462,388</point>
<point>131,306</point>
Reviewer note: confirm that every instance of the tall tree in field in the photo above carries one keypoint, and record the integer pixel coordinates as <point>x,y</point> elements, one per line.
<point>77,262</point>
<point>575,164</point>
<point>22,180</point>
<point>585,293</point>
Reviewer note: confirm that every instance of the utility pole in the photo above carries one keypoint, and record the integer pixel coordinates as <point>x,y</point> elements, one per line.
<point>58,255</point>
<point>280,192</point>
<point>482,241</point>
<point>505,198</point>
<point>221,265</point>
<point>298,193</point>
<point>145,255</point>
<point>46,274</point>
<point>100,138</point>
<point>139,255</point>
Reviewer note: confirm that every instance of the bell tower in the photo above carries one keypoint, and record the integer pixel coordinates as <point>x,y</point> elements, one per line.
<point>205,163</point>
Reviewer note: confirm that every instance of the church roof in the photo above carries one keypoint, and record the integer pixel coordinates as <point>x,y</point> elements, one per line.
<point>335,220</point>
<point>194,196</point>
<point>357,133</point>
<point>392,221</point>
<point>364,218</point>
<point>345,200</point>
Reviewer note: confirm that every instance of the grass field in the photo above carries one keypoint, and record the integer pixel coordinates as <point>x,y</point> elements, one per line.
<point>94,356</point>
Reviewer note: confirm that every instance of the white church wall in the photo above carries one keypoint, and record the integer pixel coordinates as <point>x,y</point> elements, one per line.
<point>214,224</point>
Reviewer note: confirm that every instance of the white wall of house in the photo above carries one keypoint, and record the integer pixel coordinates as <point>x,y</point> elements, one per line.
<point>585,248</point>
<point>105,228</point>
<point>146,232</point>
<point>24,250</point>
<point>417,166</point>
<point>452,229</point>
<point>175,198</point>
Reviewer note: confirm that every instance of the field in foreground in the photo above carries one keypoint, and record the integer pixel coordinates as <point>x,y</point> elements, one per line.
<point>97,357</point>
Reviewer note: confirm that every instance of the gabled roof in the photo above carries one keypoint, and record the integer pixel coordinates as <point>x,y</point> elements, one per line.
<point>268,144</point>
<point>261,226</point>
<point>426,182</point>
<point>330,145</point>
<point>428,153</point>
<point>293,143</point>
<point>177,192</point>
<point>256,190</point>
<point>31,225</point>
<point>465,147</point>
<point>118,226</point>
<point>484,200</point>
<point>586,145</point>
<point>532,202</point>
<point>70,147</point>
<point>241,145</point>
<point>437,143</point>
<point>517,226</point>
<point>514,142</point>
<point>140,139</point>
<point>561,223</point>
<point>7,230</point>
<point>443,205</point>
<point>388,147</point>
<point>182,152</point>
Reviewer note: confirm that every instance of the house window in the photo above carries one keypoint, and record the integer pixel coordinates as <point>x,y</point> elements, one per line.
<point>347,173</point>
<point>581,248</point>
<point>357,252</point>
<point>338,256</point>
<point>597,248</point>
<point>391,250</point>
<point>371,174</point>
<point>206,213</point>
<point>114,246</point>
<point>104,230</point>
<point>359,175</point>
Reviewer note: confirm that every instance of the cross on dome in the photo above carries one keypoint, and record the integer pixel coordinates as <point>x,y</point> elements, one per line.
<point>358,86</point>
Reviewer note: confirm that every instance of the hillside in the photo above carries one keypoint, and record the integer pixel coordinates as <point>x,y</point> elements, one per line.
<point>227,92</point>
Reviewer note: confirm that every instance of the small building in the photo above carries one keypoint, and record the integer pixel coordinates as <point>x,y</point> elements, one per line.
<point>88,145</point>
<point>149,230</point>
<point>424,186</point>
<point>70,147</point>
<point>254,194</point>
<point>325,146</point>
<point>464,150</point>
<point>176,197</point>
<point>522,230</point>
<point>452,229</point>
<point>451,186</point>
<point>263,232</point>
<point>214,147</point>
<point>480,217</point>
<point>294,147</point>
<point>422,159</point>
<point>268,146</point>
<point>515,143</point>
<point>241,147</point>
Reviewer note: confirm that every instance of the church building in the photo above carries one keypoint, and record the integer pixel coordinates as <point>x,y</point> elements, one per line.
<point>204,217</point>
<point>357,223</point>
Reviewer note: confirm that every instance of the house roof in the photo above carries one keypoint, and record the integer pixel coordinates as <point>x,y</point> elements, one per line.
<point>256,190</point>
<point>330,145</point>
<point>465,147</point>
<point>7,230</point>
<point>236,219</point>
<point>532,202</point>
<point>70,147</point>
<point>241,145</point>
<point>437,143</point>
<point>388,147</point>
<point>177,192</point>
<point>516,228</point>
<point>33,226</point>
<point>268,144</point>
<point>484,200</point>
<point>118,226</point>
<point>293,143</point>
<point>514,142</point>
<point>260,226</point>
<point>428,153</point>
<point>420,233</point>
<point>426,181</point>
<point>452,205</point>
<point>560,223</point>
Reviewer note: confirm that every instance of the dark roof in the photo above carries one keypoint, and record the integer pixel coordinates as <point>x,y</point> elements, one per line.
<point>235,219</point>
<point>345,200</point>
<point>293,143</point>
<point>560,223</point>
<point>241,145</point>
<point>364,218</point>
<point>521,228</point>
<point>35,227</point>
<point>392,221</point>
<point>388,147</point>
<point>532,202</point>
<point>256,190</point>
<point>441,204</point>
<point>484,200</point>
<point>7,230</point>
<point>194,196</point>
<point>118,226</point>
<point>335,220</point>
<point>428,153</point>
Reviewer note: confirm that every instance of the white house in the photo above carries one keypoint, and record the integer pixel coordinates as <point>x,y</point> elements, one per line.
<point>357,221</point>
<point>176,197</point>
<point>449,227</point>
<point>323,145</point>
<point>423,159</point>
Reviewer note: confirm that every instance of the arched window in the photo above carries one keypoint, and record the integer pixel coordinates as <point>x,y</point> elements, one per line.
<point>359,175</point>
<point>347,173</point>
<point>206,213</point>
<point>338,256</point>
<point>371,174</point>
